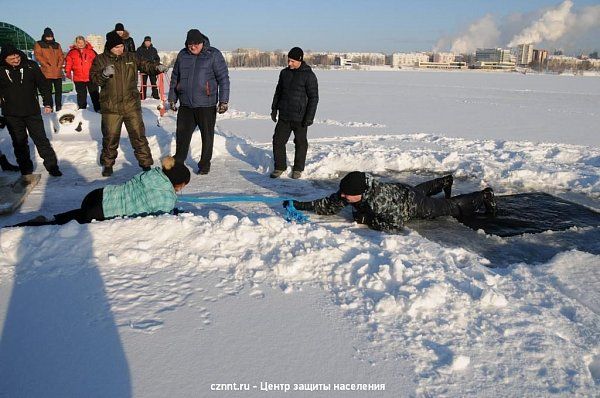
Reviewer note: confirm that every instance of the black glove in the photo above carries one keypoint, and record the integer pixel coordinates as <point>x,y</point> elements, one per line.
<point>222,108</point>
<point>299,205</point>
<point>173,106</point>
<point>274,116</point>
<point>363,217</point>
<point>306,123</point>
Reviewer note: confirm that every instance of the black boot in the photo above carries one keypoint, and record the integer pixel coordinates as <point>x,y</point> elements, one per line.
<point>448,181</point>
<point>489,201</point>
<point>469,204</point>
<point>6,166</point>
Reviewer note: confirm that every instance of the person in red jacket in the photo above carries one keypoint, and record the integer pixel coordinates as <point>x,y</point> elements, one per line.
<point>79,62</point>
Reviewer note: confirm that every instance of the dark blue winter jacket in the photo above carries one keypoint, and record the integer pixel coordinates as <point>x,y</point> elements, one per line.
<point>200,80</point>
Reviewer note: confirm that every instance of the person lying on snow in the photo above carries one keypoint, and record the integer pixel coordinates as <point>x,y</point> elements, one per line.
<point>149,192</point>
<point>387,206</point>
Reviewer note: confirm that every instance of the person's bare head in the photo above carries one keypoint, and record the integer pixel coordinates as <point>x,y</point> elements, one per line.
<point>80,42</point>
<point>293,64</point>
<point>13,60</point>
<point>195,48</point>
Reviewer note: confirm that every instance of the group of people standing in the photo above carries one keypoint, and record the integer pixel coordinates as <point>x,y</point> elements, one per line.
<point>200,83</point>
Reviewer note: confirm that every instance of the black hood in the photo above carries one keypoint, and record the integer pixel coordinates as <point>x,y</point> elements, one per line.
<point>9,49</point>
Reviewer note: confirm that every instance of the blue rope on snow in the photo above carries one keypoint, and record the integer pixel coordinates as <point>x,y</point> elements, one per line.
<point>291,214</point>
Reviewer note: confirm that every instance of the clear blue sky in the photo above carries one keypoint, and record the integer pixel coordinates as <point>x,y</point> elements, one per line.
<point>336,25</point>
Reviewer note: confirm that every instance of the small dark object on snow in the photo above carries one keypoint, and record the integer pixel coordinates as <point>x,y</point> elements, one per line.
<point>66,118</point>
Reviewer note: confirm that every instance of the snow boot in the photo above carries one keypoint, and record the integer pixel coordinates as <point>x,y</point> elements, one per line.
<point>276,173</point>
<point>6,165</point>
<point>54,171</point>
<point>448,181</point>
<point>489,201</point>
<point>296,174</point>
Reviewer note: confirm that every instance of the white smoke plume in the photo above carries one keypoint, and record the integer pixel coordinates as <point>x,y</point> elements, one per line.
<point>482,33</point>
<point>552,25</point>
<point>559,25</point>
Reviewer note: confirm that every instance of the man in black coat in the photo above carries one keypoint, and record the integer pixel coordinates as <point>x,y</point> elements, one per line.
<point>296,98</point>
<point>127,40</point>
<point>148,52</point>
<point>20,80</point>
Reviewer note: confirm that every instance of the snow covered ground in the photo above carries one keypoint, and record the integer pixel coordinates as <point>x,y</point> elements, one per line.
<point>231,293</point>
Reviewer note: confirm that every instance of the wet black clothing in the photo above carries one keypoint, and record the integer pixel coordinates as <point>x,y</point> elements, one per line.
<point>91,209</point>
<point>387,206</point>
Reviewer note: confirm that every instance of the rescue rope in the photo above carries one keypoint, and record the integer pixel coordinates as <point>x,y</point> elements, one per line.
<point>292,214</point>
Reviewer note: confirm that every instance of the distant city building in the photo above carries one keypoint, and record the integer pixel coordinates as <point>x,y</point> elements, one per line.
<point>443,58</point>
<point>524,54</point>
<point>96,41</point>
<point>497,55</point>
<point>408,59</point>
<point>494,58</point>
<point>366,58</point>
<point>540,56</point>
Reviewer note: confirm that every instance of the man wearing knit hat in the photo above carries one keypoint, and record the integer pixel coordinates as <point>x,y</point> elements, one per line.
<point>127,40</point>
<point>200,81</point>
<point>116,72</point>
<point>296,97</point>
<point>51,58</point>
<point>388,206</point>
<point>20,81</point>
<point>148,52</point>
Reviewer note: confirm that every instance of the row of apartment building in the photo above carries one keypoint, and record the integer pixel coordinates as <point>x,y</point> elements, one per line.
<point>484,58</point>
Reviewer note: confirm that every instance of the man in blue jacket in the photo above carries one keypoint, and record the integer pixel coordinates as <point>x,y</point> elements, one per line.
<point>200,81</point>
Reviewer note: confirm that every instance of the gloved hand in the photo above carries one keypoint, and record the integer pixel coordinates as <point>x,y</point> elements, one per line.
<point>160,68</point>
<point>299,205</point>
<point>274,116</point>
<point>363,217</point>
<point>173,106</point>
<point>108,71</point>
<point>306,123</point>
<point>222,108</point>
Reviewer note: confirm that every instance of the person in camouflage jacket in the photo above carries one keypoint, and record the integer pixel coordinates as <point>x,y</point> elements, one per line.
<point>116,72</point>
<point>388,206</point>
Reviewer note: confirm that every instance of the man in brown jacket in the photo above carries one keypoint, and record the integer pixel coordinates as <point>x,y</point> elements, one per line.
<point>51,59</point>
<point>116,72</point>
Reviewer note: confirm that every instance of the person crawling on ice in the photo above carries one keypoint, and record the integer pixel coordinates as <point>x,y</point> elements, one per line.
<point>388,206</point>
<point>149,192</point>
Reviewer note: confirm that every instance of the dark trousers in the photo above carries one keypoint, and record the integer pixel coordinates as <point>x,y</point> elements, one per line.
<point>152,82</point>
<point>283,130</point>
<point>82,89</point>
<point>111,125</point>
<point>57,84</point>
<point>18,127</point>
<point>187,120</point>
<point>91,209</point>
<point>423,206</point>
